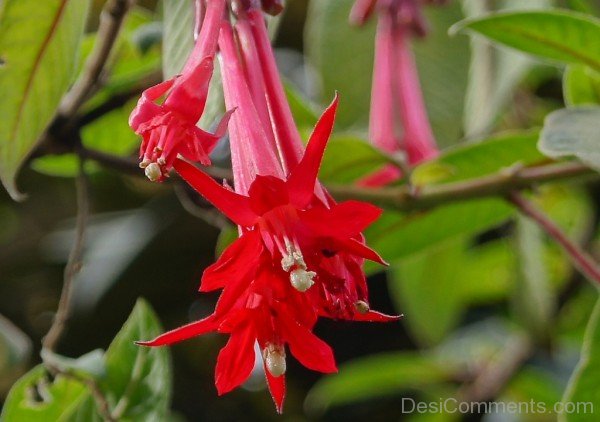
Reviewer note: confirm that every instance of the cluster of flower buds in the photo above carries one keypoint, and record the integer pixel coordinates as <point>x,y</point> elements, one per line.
<point>300,254</point>
<point>398,120</point>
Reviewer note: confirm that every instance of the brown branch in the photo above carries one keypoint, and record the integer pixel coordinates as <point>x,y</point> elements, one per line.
<point>408,199</point>
<point>73,266</point>
<point>494,376</point>
<point>580,258</point>
<point>111,20</point>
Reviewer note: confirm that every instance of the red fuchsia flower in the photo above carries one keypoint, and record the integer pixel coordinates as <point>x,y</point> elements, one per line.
<point>299,255</point>
<point>169,129</point>
<point>396,98</point>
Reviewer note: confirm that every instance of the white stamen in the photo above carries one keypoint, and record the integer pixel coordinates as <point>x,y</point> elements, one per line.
<point>153,172</point>
<point>274,356</point>
<point>301,279</point>
<point>144,163</point>
<point>161,161</point>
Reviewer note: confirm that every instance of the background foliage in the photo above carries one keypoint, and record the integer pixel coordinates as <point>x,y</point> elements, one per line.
<point>481,288</point>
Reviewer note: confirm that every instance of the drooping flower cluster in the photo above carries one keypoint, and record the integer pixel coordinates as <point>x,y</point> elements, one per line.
<point>398,119</point>
<point>300,254</point>
<point>169,129</point>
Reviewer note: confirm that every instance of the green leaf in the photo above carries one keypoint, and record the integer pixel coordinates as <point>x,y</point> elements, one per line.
<point>39,42</point>
<point>138,382</point>
<point>226,237</point>
<point>581,85</point>
<point>349,158</point>
<point>396,235</point>
<point>303,112</point>
<point>426,292</point>
<point>35,398</point>
<point>441,62</point>
<point>374,376</point>
<point>582,389</point>
<point>178,38</point>
<point>90,365</point>
<point>573,132</point>
<point>558,35</point>
<point>479,158</point>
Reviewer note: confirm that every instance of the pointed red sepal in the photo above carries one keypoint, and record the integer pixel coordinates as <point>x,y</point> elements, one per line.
<point>355,247</point>
<point>146,109</point>
<point>309,349</point>
<point>343,220</point>
<point>188,331</point>
<point>276,388</point>
<point>236,207</point>
<point>236,360</point>
<point>302,179</point>
<point>188,96</point>
<point>234,264</point>
<point>374,316</point>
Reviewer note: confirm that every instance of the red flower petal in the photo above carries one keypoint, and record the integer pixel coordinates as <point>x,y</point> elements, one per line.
<point>236,360</point>
<point>277,389</point>
<point>361,11</point>
<point>145,109</point>
<point>266,193</point>
<point>355,247</point>
<point>188,331</point>
<point>235,207</point>
<point>343,220</point>
<point>310,350</point>
<point>303,177</point>
<point>234,264</point>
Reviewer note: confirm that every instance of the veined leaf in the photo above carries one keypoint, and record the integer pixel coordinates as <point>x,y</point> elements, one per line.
<point>376,376</point>
<point>39,42</point>
<point>581,86</point>
<point>558,35</point>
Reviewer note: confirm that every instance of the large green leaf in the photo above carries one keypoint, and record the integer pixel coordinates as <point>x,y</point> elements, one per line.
<point>138,381</point>
<point>343,57</point>
<point>39,42</point>
<point>376,376</point>
<point>479,158</point>
<point>573,132</point>
<point>583,390</point>
<point>178,35</point>
<point>426,292</point>
<point>35,398</point>
<point>581,85</point>
<point>348,158</point>
<point>557,35</point>
<point>396,236</point>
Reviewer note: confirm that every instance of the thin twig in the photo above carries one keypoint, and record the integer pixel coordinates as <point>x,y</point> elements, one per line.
<point>73,266</point>
<point>111,20</point>
<point>131,166</point>
<point>95,390</point>
<point>209,215</point>
<point>119,99</point>
<point>580,258</point>
<point>498,372</point>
